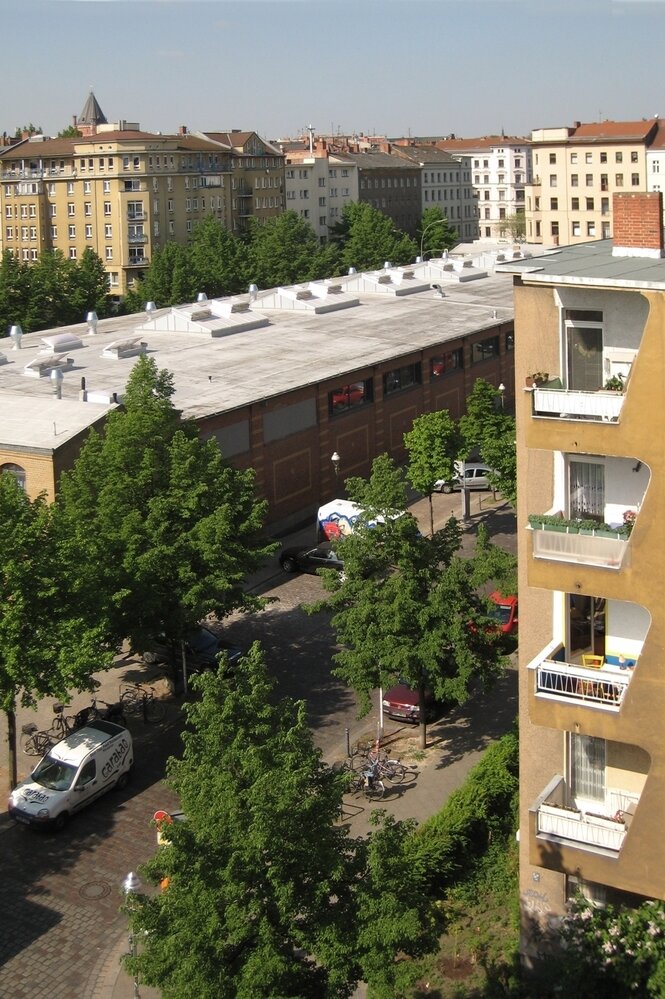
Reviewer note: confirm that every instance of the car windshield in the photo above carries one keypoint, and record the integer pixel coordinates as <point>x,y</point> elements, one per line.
<point>54,774</point>
<point>203,641</point>
<point>501,613</point>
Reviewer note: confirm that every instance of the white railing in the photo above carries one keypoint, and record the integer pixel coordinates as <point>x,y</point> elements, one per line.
<point>601,407</point>
<point>562,821</point>
<point>588,549</point>
<point>603,687</point>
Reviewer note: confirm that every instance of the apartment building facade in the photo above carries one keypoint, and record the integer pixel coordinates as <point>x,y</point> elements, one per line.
<point>591,538</point>
<point>124,193</point>
<point>318,184</point>
<point>445,184</point>
<point>500,170</point>
<point>577,170</point>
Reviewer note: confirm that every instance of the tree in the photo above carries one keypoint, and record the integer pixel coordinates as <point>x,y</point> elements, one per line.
<point>282,251</point>
<point>515,226</point>
<point>167,529</point>
<point>71,132</point>
<point>49,301</point>
<point>433,444</point>
<point>218,260</point>
<point>91,286</point>
<point>434,233</point>
<point>267,893</point>
<point>157,284</point>
<point>14,278</point>
<point>407,605</point>
<point>486,428</point>
<point>47,645</point>
<point>30,129</point>
<point>368,238</point>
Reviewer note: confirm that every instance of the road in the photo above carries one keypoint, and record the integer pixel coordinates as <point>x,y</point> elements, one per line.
<point>60,894</point>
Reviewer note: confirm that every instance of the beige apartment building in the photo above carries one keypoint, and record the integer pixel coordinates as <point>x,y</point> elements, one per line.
<point>575,173</point>
<point>591,543</point>
<point>124,193</point>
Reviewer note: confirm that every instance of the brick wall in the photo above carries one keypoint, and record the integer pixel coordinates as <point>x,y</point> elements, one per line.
<point>637,222</point>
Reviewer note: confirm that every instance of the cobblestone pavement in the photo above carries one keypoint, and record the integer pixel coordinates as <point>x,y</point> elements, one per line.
<point>60,893</point>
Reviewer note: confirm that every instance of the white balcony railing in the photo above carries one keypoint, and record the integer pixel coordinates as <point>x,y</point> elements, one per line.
<point>565,404</point>
<point>559,821</point>
<point>604,688</point>
<point>585,549</point>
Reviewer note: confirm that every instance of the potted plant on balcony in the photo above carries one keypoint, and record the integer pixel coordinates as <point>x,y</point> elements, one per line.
<point>629,518</point>
<point>614,384</point>
<point>537,379</point>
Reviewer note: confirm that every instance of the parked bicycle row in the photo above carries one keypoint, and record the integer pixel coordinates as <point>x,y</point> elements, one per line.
<point>374,772</point>
<point>135,699</point>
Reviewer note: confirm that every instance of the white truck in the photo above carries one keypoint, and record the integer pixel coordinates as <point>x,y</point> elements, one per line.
<point>74,773</point>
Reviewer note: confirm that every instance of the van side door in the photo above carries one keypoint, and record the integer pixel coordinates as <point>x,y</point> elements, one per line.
<point>86,786</point>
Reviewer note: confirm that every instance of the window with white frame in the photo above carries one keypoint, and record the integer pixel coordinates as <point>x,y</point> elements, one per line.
<point>108,253</point>
<point>587,755</point>
<point>70,187</point>
<point>108,232</point>
<point>71,231</point>
<point>72,253</point>
<point>88,232</point>
<point>107,208</point>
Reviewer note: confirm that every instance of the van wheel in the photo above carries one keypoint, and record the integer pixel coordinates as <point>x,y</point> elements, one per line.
<point>122,781</point>
<point>60,822</point>
<point>289,564</point>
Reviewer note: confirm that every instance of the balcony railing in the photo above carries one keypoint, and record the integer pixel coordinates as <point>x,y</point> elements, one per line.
<point>136,216</point>
<point>603,688</point>
<point>137,262</point>
<point>568,404</point>
<point>559,820</point>
<point>138,238</point>
<point>593,548</point>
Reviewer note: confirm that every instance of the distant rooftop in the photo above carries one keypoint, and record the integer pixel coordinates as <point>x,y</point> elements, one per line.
<point>591,264</point>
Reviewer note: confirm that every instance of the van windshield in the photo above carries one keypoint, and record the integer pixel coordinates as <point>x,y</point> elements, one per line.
<point>54,774</point>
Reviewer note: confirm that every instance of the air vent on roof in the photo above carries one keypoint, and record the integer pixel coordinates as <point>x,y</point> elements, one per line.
<point>39,367</point>
<point>125,348</point>
<point>62,342</point>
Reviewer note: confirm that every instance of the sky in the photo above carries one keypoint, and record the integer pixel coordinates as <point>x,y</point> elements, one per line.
<point>382,67</point>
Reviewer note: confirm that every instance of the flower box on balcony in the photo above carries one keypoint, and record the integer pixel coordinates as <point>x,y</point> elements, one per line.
<point>592,528</point>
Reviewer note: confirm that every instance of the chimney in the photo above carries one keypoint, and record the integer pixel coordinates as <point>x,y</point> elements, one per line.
<point>182,130</point>
<point>75,121</point>
<point>638,224</point>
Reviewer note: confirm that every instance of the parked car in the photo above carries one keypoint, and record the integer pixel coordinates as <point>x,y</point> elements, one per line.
<point>300,559</point>
<point>474,475</point>
<point>505,613</point>
<point>202,649</point>
<point>401,702</point>
<point>73,773</point>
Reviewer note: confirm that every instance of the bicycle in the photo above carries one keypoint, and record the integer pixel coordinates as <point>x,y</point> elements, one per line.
<point>110,712</point>
<point>34,742</point>
<point>135,698</point>
<point>368,783</point>
<point>390,769</point>
<point>62,725</point>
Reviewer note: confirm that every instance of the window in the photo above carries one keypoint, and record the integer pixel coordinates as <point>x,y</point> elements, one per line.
<point>634,179</point>
<point>655,166</point>
<point>71,209</point>
<point>171,228</point>
<point>346,397</point>
<point>634,157</point>
<point>107,208</point>
<point>9,232</point>
<point>575,228</point>
<point>591,228</point>
<point>108,253</point>
<point>322,220</point>
<point>554,204</point>
<point>16,470</point>
<point>552,157</point>
<point>603,182</point>
<point>322,202</point>
<point>113,279</point>
<point>24,232</point>
<point>444,364</point>
<point>106,187</point>
<point>485,349</point>
<point>605,230</point>
<point>70,187</point>
<point>71,231</point>
<point>169,205</point>
<point>589,180</point>
<point>322,181</point>
<point>587,767</point>
<point>618,157</point>
<point>87,209</point>
<point>604,206</point>
<point>603,157</point>
<point>87,187</point>
<point>108,232</point>
<point>589,204</point>
<point>618,179</point>
<point>510,341</point>
<point>135,209</point>
<point>401,378</point>
<point>573,157</point>
<point>574,180</point>
<point>574,204</point>
<point>72,253</point>
<point>88,232</point>
<point>588,157</point>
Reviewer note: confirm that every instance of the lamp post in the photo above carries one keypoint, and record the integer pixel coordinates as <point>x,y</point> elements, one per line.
<point>502,389</point>
<point>425,230</point>
<point>131,887</point>
<point>335,458</point>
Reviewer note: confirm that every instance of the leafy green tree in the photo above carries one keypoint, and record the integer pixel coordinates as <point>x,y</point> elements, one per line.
<point>434,233</point>
<point>407,605</point>
<point>218,260</point>
<point>368,238</point>
<point>158,282</point>
<point>433,444</point>
<point>267,893</point>
<point>487,429</point>
<point>47,646</point>
<point>71,132</point>
<point>14,281</point>
<point>283,250</point>
<point>50,286</point>
<point>514,226</point>
<point>30,129</point>
<point>91,286</point>
<point>166,528</point>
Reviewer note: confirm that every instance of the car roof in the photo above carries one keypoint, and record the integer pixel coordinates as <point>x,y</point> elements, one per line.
<point>79,744</point>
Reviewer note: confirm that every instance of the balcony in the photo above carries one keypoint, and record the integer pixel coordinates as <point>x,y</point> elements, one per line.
<point>559,820</point>
<point>569,404</point>
<point>137,262</point>
<point>565,541</point>
<point>137,238</point>
<point>603,687</point>
<point>136,216</point>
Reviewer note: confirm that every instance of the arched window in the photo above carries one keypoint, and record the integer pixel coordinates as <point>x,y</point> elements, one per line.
<point>16,470</point>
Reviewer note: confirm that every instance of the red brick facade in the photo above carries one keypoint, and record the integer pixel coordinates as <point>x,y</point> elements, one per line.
<point>638,221</point>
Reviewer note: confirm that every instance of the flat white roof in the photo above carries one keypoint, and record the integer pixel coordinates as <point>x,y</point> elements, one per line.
<point>294,343</point>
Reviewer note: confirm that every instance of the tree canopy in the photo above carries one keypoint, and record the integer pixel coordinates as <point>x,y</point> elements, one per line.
<point>367,239</point>
<point>407,605</point>
<point>268,895</point>
<point>434,233</point>
<point>433,445</point>
<point>489,430</point>
<point>168,529</point>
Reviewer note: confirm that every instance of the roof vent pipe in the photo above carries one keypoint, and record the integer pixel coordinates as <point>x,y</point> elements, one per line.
<point>57,379</point>
<point>253,292</point>
<point>150,308</point>
<point>352,270</point>
<point>202,297</point>
<point>92,320</point>
<point>16,333</point>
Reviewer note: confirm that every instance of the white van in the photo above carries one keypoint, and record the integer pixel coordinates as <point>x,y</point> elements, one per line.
<point>73,773</point>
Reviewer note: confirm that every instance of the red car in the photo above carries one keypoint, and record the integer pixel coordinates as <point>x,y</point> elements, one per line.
<point>505,613</point>
<point>401,703</point>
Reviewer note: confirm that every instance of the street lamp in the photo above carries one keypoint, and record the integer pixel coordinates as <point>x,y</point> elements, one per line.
<point>131,886</point>
<point>502,389</point>
<point>427,227</point>
<point>335,458</point>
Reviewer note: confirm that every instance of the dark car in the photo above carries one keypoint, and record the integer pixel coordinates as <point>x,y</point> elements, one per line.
<point>300,559</point>
<point>202,648</point>
<point>401,702</point>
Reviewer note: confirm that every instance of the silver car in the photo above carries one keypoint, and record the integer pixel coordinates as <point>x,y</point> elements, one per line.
<point>474,475</point>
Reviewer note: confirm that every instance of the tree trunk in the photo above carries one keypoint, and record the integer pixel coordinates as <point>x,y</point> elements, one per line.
<point>431,515</point>
<point>11,748</point>
<point>423,716</point>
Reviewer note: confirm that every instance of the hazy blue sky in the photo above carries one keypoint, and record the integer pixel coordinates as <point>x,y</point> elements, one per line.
<point>393,67</point>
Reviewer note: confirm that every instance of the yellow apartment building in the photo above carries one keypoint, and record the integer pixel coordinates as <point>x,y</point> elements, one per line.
<point>577,170</point>
<point>124,193</point>
<point>590,363</point>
